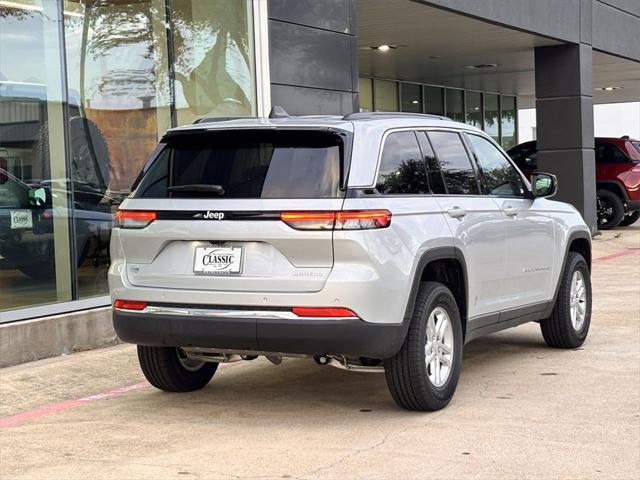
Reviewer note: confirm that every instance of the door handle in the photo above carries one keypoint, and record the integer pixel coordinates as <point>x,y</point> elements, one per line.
<point>509,211</point>
<point>456,212</point>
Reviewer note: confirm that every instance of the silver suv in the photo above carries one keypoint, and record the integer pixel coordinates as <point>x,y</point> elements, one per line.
<point>375,242</point>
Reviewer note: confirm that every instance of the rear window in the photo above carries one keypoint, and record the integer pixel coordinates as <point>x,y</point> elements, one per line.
<point>636,145</point>
<point>246,164</point>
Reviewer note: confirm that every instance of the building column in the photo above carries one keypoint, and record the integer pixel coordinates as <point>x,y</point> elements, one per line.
<point>564,113</point>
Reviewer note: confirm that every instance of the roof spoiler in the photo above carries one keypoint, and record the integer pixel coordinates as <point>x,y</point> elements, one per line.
<point>278,112</point>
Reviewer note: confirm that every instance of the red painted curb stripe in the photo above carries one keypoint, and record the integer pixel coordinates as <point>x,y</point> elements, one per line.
<point>23,417</point>
<point>67,404</point>
<point>628,251</point>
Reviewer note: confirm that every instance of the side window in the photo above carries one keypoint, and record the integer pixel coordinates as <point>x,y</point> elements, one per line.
<point>457,170</point>
<point>401,168</point>
<point>500,177</point>
<point>609,153</point>
<point>436,181</point>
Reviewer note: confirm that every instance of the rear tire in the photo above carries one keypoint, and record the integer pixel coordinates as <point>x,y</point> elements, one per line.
<point>168,369</point>
<point>415,382</point>
<point>568,325</point>
<point>630,218</point>
<point>610,210</point>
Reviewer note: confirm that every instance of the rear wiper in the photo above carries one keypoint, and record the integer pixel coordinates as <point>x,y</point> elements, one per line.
<point>198,188</point>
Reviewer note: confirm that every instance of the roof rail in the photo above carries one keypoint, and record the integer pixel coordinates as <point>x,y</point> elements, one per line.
<point>217,119</point>
<point>368,115</point>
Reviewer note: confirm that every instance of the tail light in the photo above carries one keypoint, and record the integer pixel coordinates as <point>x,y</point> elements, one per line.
<point>129,305</point>
<point>328,312</point>
<point>134,218</point>
<point>340,220</point>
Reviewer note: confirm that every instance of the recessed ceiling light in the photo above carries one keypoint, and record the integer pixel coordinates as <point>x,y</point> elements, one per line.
<point>481,66</point>
<point>383,48</point>
<point>608,89</point>
<point>415,102</point>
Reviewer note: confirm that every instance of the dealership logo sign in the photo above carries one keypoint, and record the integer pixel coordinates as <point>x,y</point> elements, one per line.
<point>21,219</point>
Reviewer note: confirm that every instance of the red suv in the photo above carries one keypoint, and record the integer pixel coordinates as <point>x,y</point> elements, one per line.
<point>617,177</point>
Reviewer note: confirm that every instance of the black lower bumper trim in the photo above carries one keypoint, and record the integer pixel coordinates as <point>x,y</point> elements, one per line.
<point>349,337</point>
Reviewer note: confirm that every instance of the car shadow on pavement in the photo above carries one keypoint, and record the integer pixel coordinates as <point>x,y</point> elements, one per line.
<point>298,389</point>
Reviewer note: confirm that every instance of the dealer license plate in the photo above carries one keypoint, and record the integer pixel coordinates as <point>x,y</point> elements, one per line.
<point>218,260</point>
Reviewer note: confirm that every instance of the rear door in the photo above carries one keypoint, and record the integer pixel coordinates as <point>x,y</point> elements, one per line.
<point>475,222</point>
<point>217,198</point>
<point>529,249</point>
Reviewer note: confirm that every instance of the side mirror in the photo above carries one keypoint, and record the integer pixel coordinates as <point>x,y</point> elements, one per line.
<point>544,184</point>
<point>38,196</point>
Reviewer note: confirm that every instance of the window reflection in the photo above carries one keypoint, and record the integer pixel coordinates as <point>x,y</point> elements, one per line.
<point>492,116</point>
<point>34,213</point>
<point>434,100</point>
<point>385,96</point>
<point>411,95</point>
<point>366,95</point>
<point>454,102</point>
<point>212,52</point>
<point>474,109</point>
<point>119,106</point>
<point>508,121</point>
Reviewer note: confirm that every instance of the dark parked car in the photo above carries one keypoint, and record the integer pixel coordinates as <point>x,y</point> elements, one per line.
<point>26,226</point>
<point>617,177</point>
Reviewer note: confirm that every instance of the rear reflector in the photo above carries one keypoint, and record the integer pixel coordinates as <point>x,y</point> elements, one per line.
<point>129,305</point>
<point>340,220</point>
<point>134,218</point>
<point>329,312</point>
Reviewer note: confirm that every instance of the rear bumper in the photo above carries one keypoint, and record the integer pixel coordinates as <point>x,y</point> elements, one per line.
<point>349,337</point>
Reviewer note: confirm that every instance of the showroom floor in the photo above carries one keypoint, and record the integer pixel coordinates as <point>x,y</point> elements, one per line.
<point>521,410</point>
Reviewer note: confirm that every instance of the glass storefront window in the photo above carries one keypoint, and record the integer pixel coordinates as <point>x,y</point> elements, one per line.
<point>119,106</point>
<point>473,107</point>
<point>434,100</point>
<point>454,103</point>
<point>508,121</point>
<point>365,95</point>
<point>34,196</point>
<point>56,206</point>
<point>385,96</point>
<point>213,59</point>
<point>492,116</point>
<point>411,95</point>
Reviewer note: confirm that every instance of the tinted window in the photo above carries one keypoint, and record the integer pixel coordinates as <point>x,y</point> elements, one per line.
<point>525,156</point>
<point>436,182</point>
<point>609,153</point>
<point>500,177</point>
<point>246,164</point>
<point>459,175</point>
<point>401,168</point>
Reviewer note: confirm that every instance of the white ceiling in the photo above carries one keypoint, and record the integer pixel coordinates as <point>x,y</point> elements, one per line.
<point>424,32</point>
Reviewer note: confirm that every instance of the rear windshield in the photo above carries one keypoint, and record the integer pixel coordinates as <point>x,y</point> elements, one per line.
<point>246,164</point>
<point>636,145</point>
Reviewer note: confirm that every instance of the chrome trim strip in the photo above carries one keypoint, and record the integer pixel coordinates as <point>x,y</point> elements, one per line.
<point>229,313</point>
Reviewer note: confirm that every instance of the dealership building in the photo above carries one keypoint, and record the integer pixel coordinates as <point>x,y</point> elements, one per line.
<point>88,87</point>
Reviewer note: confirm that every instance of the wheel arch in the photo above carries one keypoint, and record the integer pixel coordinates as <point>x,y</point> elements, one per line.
<point>578,241</point>
<point>613,187</point>
<point>447,266</point>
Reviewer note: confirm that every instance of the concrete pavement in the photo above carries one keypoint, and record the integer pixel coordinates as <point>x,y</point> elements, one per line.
<point>522,410</point>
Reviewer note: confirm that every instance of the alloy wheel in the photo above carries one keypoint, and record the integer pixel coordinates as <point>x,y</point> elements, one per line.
<point>578,300</point>
<point>438,350</point>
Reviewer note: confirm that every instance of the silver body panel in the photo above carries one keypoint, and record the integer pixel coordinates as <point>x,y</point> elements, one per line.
<point>512,261</point>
